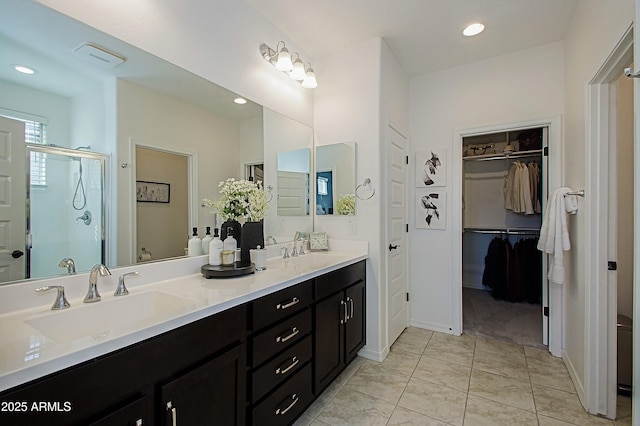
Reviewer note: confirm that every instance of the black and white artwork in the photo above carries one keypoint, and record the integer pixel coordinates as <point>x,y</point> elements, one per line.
<point>152,192</point>
<point>431,168</point>
<point>431,209</point>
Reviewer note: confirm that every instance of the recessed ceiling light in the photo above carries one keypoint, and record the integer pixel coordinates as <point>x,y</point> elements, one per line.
<point>24,69</point>
<point>240,101</point>
<point>473,29</point>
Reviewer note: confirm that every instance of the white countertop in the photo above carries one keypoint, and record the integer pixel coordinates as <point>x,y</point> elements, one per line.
<point>27,353</point>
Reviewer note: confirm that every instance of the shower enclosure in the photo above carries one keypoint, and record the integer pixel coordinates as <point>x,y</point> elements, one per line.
<point>65,209</point>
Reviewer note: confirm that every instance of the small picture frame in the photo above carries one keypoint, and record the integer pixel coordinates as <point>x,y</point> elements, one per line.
<point>431,168</point>
<point>152,192</point>
<point>430,209</point>
<point>318,241</point>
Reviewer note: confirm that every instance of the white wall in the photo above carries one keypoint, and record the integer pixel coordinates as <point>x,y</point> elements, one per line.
<point>217,39</point>
<point>595,30</point>
<point>519,87</point>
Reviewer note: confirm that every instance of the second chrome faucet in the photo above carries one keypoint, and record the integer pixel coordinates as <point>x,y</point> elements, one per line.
<point>93,295</point>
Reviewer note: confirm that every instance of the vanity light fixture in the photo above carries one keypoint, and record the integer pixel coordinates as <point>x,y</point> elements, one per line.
<point>24,69</point>
<point>473,29</point>
<point>281,59</point>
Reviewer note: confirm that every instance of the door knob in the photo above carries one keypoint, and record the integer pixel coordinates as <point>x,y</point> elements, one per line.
<point>16,254</point>
<point>392,247</point>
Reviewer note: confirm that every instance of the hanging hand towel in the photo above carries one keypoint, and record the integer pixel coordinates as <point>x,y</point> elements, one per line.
<point>571,204</point>
<point>554,234</point>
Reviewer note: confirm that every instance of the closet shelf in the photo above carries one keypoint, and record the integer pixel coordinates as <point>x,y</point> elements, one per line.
<point>504,156</point>
<point>510,231</point>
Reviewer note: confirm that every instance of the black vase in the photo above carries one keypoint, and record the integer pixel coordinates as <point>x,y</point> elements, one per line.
<point>237,230</point>
<point>252,237</point>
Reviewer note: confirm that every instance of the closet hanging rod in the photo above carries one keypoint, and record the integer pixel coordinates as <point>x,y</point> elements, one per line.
<point>507,156</point>
<point>509,231</point>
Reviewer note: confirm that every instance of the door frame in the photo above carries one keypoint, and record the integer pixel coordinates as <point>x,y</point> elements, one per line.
<point>192,162</point>
<point>600,381</point>
<point>554,178</point>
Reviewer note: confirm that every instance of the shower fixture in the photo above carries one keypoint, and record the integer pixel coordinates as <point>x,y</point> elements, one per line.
<point>79,200</point>
<point>86,218</point>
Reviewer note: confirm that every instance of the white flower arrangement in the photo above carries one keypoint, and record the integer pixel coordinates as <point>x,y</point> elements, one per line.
<point>346,204</point>
<point>240,200</point>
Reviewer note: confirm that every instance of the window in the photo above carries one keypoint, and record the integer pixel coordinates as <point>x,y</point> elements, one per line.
<point>35,133</point>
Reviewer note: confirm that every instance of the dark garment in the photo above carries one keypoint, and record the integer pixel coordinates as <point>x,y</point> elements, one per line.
<point>496,270</point>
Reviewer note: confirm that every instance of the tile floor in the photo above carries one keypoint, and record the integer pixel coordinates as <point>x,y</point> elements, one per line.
<point>437,379</point>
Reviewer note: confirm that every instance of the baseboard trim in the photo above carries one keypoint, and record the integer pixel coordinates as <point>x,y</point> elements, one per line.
<point>441,328</point>
<point>372,355</point>
<point>577,383</point>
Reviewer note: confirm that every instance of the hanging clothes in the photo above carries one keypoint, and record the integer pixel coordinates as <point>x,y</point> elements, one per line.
<point>522,188</point>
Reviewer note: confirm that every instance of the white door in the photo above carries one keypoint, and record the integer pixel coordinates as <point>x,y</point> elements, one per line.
<point>12,199</point>
<point>397,281</point>
<point>292,193</point>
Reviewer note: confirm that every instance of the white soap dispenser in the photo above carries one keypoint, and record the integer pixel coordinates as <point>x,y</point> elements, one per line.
<point>215,249</point>
<point>206,240</point>
<point>230,243</point>
<point>195,244</point>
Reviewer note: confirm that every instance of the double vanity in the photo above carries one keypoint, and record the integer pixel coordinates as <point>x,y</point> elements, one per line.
<point>185,350</point>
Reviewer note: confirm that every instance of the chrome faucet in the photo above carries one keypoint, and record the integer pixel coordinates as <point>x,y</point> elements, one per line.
<point>286,253</point>
<point>68,263</point>
<point>294,250</point>
<point>121,290</point>
<point>272,239</point>
<point>303,242</point>
<point>92,294</point>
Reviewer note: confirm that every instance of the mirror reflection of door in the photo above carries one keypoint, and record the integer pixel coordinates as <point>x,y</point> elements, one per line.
<point>324,192</point>
<point>12,184</point>
<point>162,228</point>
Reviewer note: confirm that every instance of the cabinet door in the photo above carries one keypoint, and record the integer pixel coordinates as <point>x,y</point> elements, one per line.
<point>213,393</point>
<point>329,340</point>
<point>355,331</point>
<point>132,414</point>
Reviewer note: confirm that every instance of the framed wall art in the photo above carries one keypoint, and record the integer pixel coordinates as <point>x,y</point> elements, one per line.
<point>431,168</point>
<point>152,192</point>
<point>430,208</point>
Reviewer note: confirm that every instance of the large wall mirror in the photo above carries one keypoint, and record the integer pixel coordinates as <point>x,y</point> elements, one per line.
<point>335,179</point>
<point>142,115</point>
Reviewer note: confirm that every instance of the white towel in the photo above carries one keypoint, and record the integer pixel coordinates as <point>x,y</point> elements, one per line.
<point>554,234</point>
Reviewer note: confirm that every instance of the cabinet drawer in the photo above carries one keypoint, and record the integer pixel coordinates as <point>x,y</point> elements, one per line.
<point>272,308</point>
<point>287,402</point>
<point>281,336</point>
<point>328,284</point>
<point>280,368</point>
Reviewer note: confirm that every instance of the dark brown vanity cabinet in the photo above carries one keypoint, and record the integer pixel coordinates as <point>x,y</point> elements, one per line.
<point>339,321</point>
<point>281,352</point>
<point>126,387</point>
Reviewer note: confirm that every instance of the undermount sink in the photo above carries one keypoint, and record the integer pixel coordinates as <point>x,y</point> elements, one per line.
<point>311,261</point>
<point>99,320</point>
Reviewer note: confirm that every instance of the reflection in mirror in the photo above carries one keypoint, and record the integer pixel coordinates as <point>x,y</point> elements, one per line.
<point>293,182</point>
<point>335,179</point>
<point>144,102</point>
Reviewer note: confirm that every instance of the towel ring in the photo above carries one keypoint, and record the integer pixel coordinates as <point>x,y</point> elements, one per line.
<point>366,183</point>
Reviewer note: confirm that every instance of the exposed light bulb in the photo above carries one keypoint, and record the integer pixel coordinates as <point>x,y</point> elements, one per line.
<point>473,29</point>
<point>298,73</point>
<point>284,60</point>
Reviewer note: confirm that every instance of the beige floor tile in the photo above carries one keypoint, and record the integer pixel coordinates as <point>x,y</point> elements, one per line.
<point>539,354</point>
<point>623,407</point>
<point>319,423</point>
<point>410,343</point>
<point>505,390</point>
<point>435,401</point>
<point>404,417</point>
<point>508,365</point>
<point>380,382</point>
<point>304,420</point>
<point>623,422</point>
<point>418,332</point>
<point>467,340</point>
<point>444,373</point>
<point>549,421</point>
<point>325,397</point>
<point>482,412</point>
<point>447,351</point>
<point>401,361</point>
<point>551,373</point>
<point>351,407</point>
<point>564,406</point>
<point>486,344</point>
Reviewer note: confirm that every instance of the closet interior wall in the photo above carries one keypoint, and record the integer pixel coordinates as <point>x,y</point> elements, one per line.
<point>486,163</point>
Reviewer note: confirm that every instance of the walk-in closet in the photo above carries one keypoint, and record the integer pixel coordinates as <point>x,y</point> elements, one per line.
<point>504,185</point>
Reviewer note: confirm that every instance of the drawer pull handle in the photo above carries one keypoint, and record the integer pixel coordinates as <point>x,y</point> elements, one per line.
<point>294,332</point>
<point>293,302</point>
<point>294,362</point>
<point>345,317</point>
<point>139,422</point>
<point>174,413</point>
<point>280,412</point>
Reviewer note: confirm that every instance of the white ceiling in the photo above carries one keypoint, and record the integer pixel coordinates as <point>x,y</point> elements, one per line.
<point>425,35</point>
